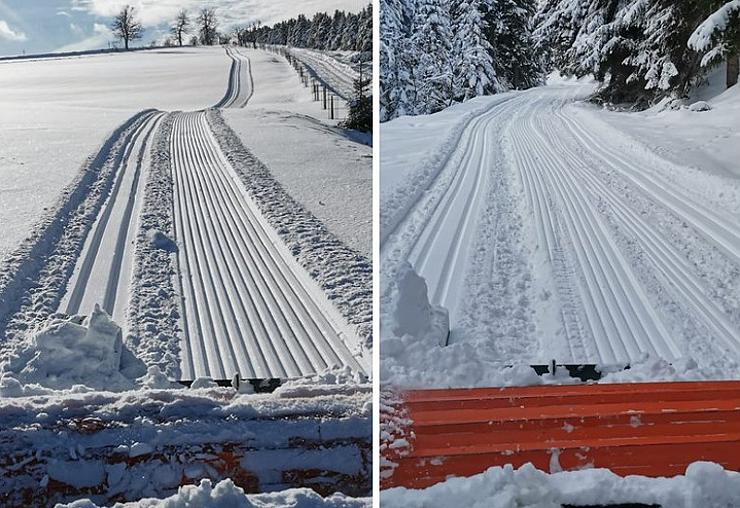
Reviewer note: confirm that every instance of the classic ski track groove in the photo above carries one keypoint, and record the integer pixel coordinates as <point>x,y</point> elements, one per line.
<point>246,309</point>
<point>241,82</point>
<point>100,275</point>
<point>460,183</point>
<point>608,315</point>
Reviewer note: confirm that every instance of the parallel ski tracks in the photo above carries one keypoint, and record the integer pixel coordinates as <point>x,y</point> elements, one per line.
<point>249,309</point>
<point>607,312</point>
<point>241,83</point>
<point>103,272</point>
<point>453,218</point>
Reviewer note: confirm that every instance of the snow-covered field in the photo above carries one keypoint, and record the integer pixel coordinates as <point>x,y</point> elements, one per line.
<point>57,112</point>
<point>334,70</point>
<point>552,230</point>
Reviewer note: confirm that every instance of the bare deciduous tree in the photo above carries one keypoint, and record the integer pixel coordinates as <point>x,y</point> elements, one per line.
<point>181,26</point>
<point>207,26</point>
<point>125,25</point>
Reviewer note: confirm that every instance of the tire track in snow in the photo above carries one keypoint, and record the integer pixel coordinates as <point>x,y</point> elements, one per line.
<point>249,307</point>
<point>241,83</point>
<point>103,271</point>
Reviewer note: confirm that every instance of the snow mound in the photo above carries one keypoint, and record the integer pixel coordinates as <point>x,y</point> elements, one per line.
<point>700,106</point>
<point>413,314</point>
<point>226,494</point>
<point>705,485</point>
<point>161,241</point>
<point>69,351</point>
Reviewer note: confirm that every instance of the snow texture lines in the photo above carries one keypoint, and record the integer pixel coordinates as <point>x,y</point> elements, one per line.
<point>103,272</point>
<point>241,83</point>
<point>622,321</point>
<point>622,260</point>
<point>249,308</point>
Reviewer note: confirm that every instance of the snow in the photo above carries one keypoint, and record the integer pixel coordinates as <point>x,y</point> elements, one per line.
<point>66,352</point>
<point>703,35</point>
<point>413,314</point>
<point>705,485</point>
<point>226,494</point>
<point>58,111</point>
<point>89,438</point>
<point>322,167</point>
<point>552,229</point>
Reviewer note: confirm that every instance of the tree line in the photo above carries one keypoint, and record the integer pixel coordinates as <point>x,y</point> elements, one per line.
<point>340,31</point>
<point>641,50</point>
<point>434,53</point>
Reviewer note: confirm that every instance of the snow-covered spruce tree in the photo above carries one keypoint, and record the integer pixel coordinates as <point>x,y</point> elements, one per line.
<point>717,38</point>
<point>431,56</point>
<point>473,73</point>
<point>508,29</point>
<point>392,34</point>
<point>659,62</point>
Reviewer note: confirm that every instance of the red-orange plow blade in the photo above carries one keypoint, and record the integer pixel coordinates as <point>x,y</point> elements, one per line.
<point>651,429</point>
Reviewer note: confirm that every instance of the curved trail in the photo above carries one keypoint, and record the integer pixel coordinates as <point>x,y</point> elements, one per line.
<point>103,272</point>
<point>249,306</point>
<point>605,282</point>
<point>241,83</point>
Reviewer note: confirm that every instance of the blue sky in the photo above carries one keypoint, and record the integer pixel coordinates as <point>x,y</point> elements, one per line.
<point>38,26</point>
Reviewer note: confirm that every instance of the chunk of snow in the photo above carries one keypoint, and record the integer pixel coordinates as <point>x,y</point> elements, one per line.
<point>65,353</point>
<point>226,493</point>
<point>700,106</point>
<point>155,379</point>
<point>413,314</point>
<point>77,473</point>
<point>705,484</point>
<point>139,449</point>
<point>161,241</point>
<point>204,382</point>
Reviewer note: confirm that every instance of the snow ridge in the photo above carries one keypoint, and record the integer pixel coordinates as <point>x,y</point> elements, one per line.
<point>43,264</point>
<point>344,274</point>
<point>154,331</point>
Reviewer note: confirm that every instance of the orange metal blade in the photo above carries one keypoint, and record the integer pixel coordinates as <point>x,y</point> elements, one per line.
<point>652,429</point>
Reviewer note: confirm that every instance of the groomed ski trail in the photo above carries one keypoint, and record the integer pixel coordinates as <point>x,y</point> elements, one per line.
<point>103,272</point>
<point>241,83</point>
<point>249,307</point>
<point>578,194</point>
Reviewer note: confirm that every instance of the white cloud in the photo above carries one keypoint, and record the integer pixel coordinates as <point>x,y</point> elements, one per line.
<point>230,12</point>
<point>100,28</point>
<point>8,34</point>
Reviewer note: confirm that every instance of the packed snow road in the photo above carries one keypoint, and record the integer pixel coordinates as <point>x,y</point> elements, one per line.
<point>551,235</point>
<point>337,75</point>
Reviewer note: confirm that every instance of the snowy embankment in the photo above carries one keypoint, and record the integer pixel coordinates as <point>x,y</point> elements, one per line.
<point>704,485</point>
<point>313,433</point>
<point>549,234</point>
<point>226,493</point>
<point>337,75</point>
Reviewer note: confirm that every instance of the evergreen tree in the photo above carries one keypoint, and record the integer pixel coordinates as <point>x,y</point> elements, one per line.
<point>431,42</point>
<point>717,38</point>
<point>473,69</point>
<point>508,29</point>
